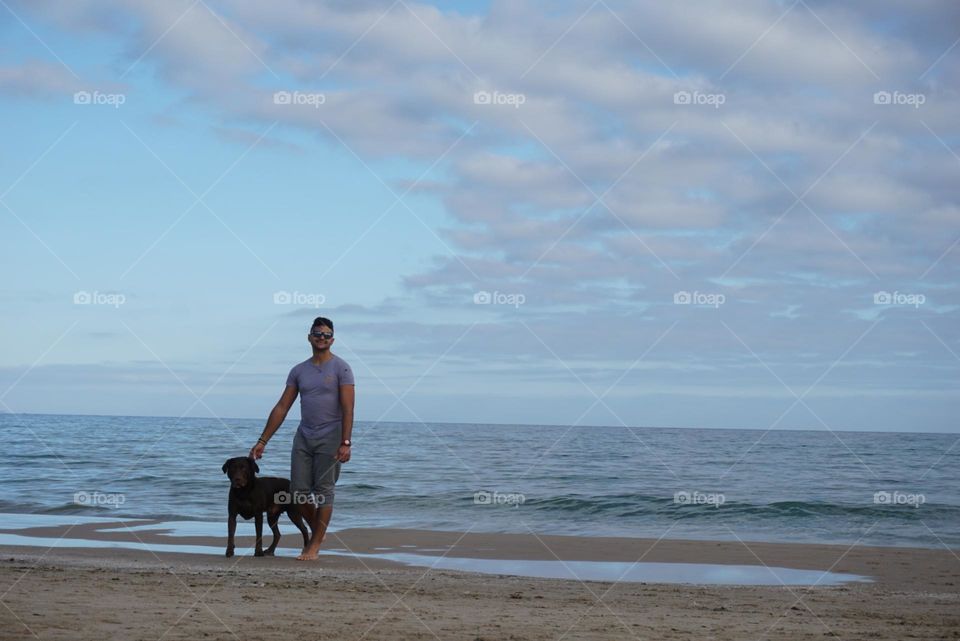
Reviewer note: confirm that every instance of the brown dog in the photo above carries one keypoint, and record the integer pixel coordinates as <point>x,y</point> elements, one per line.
<point>250,497</point>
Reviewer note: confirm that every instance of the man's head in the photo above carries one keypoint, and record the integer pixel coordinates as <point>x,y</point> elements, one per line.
<point>321,334</point>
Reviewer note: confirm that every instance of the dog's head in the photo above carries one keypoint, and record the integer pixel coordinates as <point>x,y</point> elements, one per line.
<point>241,471</point>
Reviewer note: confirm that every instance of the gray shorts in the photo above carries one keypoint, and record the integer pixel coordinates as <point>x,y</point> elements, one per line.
<point>314,470</point>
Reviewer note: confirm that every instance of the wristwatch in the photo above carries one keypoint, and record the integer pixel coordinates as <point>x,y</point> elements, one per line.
<point>346,442</point>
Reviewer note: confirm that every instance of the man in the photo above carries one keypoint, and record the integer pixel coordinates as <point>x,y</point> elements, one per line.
<point>322,442</point>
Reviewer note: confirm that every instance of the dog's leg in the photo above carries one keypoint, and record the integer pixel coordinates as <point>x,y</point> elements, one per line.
<point>231,530</point>
<point>258,549</point>
<point>294,513</point>
<point>272,518</point>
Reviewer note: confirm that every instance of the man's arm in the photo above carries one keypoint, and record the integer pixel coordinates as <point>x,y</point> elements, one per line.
<point>347,397</point>
<point>276,418</point>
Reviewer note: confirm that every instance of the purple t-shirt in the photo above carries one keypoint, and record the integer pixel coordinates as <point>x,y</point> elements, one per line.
<point>319,387</point>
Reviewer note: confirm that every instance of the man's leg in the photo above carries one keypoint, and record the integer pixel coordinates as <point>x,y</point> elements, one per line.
<point>308,512</point>
<point>327,470</point>
<point>318,528</point>
<point>301,479</point>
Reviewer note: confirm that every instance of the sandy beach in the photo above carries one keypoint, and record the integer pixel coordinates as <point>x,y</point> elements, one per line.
<point>544,321</point>
<point>73,593</point>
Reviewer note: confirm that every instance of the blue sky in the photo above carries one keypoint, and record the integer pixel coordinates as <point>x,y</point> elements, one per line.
<point>789,168</point>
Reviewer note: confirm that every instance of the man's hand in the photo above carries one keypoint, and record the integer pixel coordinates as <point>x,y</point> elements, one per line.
<point>256,451</point>
<point>343,453</point>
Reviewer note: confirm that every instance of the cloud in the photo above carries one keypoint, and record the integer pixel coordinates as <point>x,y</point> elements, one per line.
<point>640,149</point>
<point>246,139</point>
<point>38,79</point>
<point>398,80</point>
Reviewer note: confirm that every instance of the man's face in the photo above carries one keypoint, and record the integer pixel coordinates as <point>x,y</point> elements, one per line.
<point>320,337</point>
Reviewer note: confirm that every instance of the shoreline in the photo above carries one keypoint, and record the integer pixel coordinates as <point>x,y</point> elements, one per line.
<point>892,567</point>
<point>213,529</point>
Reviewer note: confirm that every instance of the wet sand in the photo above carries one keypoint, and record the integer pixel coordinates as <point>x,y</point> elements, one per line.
<point>72,593</point>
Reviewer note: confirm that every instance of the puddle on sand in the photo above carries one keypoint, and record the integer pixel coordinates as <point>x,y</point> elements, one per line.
<point>687,573</point>
<point>693,573</point>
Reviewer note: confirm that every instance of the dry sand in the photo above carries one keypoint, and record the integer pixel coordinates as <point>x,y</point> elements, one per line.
<point>125,594</point>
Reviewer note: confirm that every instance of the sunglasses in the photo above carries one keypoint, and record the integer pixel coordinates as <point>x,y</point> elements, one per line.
<point>323,335</point>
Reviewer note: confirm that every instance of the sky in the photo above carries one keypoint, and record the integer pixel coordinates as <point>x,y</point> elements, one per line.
<point>654,214</point>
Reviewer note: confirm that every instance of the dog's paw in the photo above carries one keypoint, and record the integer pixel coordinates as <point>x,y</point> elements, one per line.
<point>229,552</point>
<point>258,553</point>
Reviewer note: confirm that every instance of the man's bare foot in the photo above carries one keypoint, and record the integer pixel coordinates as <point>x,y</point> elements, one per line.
<point>309,553</point>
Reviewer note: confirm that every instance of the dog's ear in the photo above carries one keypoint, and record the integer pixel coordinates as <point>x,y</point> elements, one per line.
<point>224,468</point>
<point>253,464</point>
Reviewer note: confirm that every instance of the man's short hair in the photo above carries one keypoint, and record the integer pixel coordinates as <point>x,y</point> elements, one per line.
<point>320,320</point>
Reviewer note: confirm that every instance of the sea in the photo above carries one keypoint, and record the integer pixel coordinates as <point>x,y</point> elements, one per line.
<point>869,488</point>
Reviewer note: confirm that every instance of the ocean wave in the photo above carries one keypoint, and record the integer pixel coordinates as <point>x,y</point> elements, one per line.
<point>37,456</point>
<point>615,505</point>
<point>641,505</point>
<point>75,509</point>
<point>72,509</point>
<point>825,508</point>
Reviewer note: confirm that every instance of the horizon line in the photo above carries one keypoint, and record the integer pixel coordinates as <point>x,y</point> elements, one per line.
<point>649,427</point>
